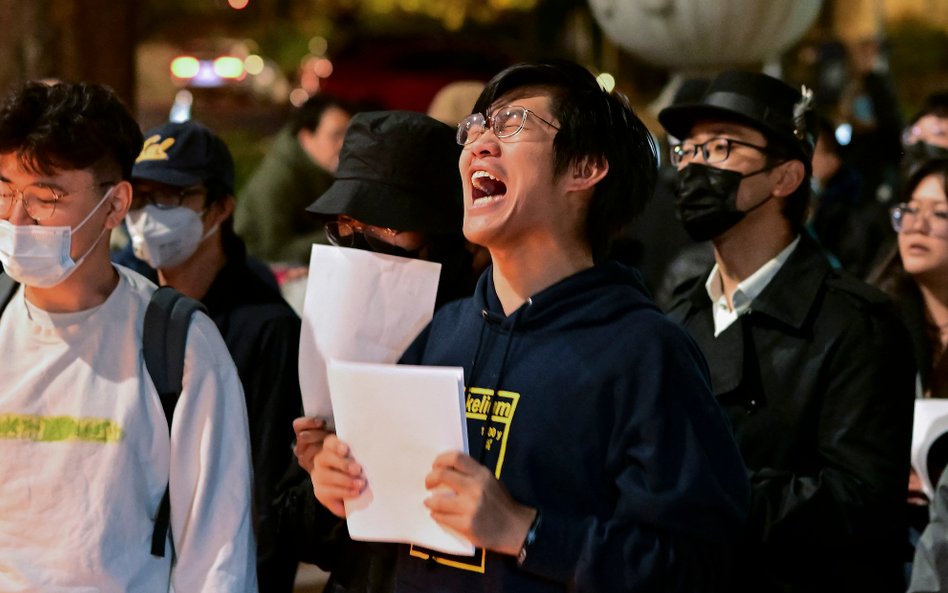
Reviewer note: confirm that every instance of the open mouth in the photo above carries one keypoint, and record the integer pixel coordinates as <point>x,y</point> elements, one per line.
<point>485,187</point>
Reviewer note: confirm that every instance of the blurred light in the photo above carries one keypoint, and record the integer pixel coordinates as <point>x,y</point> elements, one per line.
<point>238,4</point>
<point>298,97</point>
<point>253,64</point>
<point>844,134</point>
<point>267,76</point>
<point>318,46</point>
<point>185,67</point>
<point>229,67</point>
<point>606,81</point>
<point>322,67</point>
<point>181,108</point>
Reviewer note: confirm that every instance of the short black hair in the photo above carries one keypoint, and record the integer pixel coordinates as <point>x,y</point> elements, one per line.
<point>594,124</point>
<point>69,126</point>
<point>308,115</point>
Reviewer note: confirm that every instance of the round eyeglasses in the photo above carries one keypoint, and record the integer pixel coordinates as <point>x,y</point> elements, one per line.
<point>38,200</point>
<point>351,233</point>
<point>505,122</point>
<point>905,216</point>
<point>164,199</point>
<point>715,150</point>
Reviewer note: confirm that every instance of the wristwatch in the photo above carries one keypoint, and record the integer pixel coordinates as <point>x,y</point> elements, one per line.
<point>531,535</point>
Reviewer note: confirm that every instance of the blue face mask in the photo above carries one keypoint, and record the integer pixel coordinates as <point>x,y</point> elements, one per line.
<point>40,256</point>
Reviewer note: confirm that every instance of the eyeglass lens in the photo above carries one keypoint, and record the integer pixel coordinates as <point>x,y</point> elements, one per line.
<point>162,198</point>
<point>905,216</point>
<point>38,201</point>
<point>369,238</point>
<point>505,122</point>
<point>715,150</point>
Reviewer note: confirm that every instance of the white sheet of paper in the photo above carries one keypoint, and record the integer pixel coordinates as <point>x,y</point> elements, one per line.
<point>396,419</point>
<point>360,306</point>
<point>931,421</point>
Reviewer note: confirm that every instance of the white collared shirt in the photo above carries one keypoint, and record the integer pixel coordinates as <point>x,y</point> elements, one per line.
<point>747,290</point>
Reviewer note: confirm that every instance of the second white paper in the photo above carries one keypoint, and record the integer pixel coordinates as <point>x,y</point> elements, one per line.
<point>360,306</point>
<point>396,420</point>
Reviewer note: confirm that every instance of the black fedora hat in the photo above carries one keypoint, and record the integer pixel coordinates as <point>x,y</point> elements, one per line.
<point>779,111</point>
<point>397,169</point>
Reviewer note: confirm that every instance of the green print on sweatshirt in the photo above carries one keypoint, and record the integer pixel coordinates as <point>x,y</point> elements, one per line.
<point>58,428</point>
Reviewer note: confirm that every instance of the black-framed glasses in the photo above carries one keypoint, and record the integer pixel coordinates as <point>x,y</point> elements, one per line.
<point>904,216</point>
<point>351,233</point>
<point>505,122</point>
<point>164,198</point>
<point>39,200</point>
<point>716,150</point>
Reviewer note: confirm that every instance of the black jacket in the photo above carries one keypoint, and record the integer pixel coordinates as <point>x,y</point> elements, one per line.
<point>818,380</point>
<point>262,333</point>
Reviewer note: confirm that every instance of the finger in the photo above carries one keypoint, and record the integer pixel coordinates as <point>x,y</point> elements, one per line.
<point>444,477</point>
<point>308,423</point>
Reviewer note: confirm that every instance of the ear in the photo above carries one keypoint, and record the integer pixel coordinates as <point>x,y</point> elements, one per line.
<point>120,200</point>
<point>789,177</point>
<point>220,210</point>
<point>586,172</point>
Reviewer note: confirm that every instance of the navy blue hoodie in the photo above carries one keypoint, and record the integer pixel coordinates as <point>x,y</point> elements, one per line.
<point>594,408</point>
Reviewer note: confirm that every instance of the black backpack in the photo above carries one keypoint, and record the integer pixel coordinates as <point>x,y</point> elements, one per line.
<point>164,338</point>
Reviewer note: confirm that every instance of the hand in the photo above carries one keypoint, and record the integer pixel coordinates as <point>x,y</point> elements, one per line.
<point>310,434</point>
<point>916,493</point>
<point>336,476</point>
<point>470,500</point>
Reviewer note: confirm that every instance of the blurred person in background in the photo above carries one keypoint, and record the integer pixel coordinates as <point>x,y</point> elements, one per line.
<point>85,451</point>
<point>397,191</point>
<point>926,136</point>
<point>812,366</point>
<point>181,224</point>
<point>271,210</point>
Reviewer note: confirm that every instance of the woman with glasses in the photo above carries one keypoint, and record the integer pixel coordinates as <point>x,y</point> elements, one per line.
<point>915,274</point>
<point>916,271</point>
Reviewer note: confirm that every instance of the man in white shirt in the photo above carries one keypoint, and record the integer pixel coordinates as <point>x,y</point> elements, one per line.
<point>812,366</point>
<point>85,452</point>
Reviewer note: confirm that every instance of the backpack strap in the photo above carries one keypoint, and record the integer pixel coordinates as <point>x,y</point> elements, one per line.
<point>164,340</point>
<point>7,288</point>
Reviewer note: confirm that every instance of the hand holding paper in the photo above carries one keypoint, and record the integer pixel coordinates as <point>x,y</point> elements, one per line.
<point>397,419</point>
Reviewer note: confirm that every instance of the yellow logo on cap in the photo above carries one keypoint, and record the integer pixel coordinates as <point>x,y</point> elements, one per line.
<point>153,150</point>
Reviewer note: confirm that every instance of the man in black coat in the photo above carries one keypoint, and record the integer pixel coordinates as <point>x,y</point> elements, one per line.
<point>181,224</point>
<point>812,366</point>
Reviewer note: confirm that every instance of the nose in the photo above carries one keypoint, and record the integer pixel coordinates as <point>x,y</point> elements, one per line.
<point>916,223</point>
<point>485,144</point>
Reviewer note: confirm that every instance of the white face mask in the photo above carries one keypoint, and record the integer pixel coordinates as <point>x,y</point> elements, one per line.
<point>165,237</point>
<point>39,256</point>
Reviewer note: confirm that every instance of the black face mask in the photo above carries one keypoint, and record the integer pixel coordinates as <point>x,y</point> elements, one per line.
<point>706,200</point>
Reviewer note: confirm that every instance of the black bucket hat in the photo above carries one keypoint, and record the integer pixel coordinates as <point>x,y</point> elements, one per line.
<point>779,111</point>
<point>184,154</point>
<point>397,169</point>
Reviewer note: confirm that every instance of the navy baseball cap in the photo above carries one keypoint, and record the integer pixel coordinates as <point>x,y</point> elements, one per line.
<point>184,154</point>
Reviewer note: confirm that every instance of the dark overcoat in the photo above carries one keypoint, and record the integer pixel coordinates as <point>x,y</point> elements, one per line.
<point>817,378</point>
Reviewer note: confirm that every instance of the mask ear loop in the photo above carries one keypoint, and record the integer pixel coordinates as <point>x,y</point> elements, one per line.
<point>83,257</point>
<point>91,212</point>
